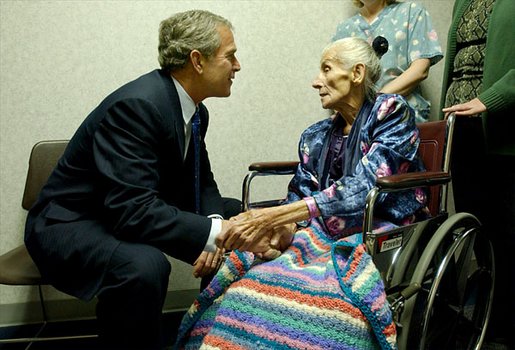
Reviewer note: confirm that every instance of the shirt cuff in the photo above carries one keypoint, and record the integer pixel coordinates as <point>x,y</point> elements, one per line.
<point>215,216</point>
<point>312,207</point>
<point>216,228</point>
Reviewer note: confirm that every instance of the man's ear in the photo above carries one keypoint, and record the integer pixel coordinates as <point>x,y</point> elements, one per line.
<point>196,61</point>
<point>358,73</point>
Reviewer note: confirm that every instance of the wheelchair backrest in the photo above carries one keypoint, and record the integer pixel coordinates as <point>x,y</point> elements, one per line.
<point>434,150</point>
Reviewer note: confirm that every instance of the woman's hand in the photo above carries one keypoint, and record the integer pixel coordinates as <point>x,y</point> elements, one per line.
<point>470,108</point>
<point>208,262</point>
<point>283,235</point>
<point>249,231</point>
<point>254,231</point>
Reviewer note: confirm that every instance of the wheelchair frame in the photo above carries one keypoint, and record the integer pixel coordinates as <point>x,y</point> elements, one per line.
<point>438,273</point>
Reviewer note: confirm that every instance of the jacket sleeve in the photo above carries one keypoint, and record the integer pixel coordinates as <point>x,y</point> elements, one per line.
<point>126,150</point>
<point>501,94</point>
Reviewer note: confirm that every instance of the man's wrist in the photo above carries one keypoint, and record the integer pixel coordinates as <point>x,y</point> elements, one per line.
<point>215,216</point>
<point>216,228</point>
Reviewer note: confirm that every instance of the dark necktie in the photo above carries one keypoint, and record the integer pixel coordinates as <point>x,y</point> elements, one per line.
<point>195,122</point>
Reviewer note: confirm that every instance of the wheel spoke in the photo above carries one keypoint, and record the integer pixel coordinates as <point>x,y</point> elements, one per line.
<point>456,272</point>
<point>465,257</point>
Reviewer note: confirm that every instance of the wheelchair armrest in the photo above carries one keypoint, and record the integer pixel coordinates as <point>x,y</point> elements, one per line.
<point>399,182</point>
<point>288,167</point>
<point>265,169</point>
<point>411,180</point>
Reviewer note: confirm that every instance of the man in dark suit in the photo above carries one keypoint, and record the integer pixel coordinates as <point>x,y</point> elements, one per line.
<point>125,190</point>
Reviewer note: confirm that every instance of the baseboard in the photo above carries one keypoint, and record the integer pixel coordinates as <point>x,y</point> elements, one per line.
<point>74,309</point>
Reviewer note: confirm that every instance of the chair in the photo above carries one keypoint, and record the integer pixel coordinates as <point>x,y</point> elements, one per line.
<point>16,266</point>
<point>438,273</point>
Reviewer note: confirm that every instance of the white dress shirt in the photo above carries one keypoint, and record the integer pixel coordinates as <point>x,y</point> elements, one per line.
<point>188,110</point>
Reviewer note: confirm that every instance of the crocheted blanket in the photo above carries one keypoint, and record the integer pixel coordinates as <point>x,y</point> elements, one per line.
<point>319,294</point>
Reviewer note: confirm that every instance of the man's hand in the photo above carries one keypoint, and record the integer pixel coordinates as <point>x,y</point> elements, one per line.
<point>207,262</point>
<point>253,230</point>
<point>282,237</point>
<point>470,108</point>
<point>249,231</point>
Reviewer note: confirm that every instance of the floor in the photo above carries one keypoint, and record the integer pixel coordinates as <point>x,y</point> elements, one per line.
<point>86,327</point>
<point>75,328</point>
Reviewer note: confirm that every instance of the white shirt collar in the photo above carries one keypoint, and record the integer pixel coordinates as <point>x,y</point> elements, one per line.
<point>187,105</point>
<point>188,109</point>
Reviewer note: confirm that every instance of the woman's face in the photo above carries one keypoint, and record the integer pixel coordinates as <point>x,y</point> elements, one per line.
<point>334,84</point>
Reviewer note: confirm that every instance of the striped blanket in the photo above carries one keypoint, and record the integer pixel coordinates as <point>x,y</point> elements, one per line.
<point>319,294</point>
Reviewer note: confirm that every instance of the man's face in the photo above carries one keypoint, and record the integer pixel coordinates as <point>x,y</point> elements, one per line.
<point>220,68</point>
<point>333,83</point>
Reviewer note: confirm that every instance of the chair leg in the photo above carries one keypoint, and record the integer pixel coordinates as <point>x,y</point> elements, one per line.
<point>44,315</point>
<point>42,302</point>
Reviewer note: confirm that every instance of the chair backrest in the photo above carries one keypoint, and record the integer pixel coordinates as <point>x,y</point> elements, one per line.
<point>16,265</point>
<point>43,159</point>
<point>434,150</point>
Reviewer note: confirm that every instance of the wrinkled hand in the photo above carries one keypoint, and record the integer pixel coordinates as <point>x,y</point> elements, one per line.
<point>282,237</point>
<point>470,108</point>
<point>207,262</point>
<point>249,231</point>
<point>252,231</point>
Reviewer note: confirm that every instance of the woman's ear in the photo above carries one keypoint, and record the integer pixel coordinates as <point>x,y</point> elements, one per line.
<point>358,73</point>
<point>196,61</point>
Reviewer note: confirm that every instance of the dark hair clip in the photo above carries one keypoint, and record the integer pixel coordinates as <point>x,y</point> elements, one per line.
<point>380,46</point>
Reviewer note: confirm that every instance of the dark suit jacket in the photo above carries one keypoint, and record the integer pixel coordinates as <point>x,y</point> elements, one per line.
<point>122,177</point>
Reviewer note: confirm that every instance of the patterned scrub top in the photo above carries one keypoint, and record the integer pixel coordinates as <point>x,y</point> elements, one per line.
<point>407,27</point>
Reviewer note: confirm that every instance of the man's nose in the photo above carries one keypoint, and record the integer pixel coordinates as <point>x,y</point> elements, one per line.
<point>237,65</point>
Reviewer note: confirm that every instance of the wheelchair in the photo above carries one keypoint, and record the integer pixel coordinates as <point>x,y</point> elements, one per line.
<point>438,273</point>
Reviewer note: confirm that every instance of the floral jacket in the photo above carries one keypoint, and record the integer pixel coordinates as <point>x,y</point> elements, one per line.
<point>383,141</point>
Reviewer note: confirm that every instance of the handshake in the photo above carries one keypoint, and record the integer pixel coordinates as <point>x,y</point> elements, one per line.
<point>255,231</point>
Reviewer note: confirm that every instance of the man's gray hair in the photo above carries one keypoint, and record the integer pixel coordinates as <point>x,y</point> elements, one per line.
<point>187,31</point>
<point>351,51</point>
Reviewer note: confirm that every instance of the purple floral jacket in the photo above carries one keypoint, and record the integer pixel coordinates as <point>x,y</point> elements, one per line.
<point>383,141</point>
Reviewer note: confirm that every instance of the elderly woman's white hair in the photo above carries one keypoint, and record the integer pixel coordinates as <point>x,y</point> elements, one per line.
<point>352,50</point>
<point>358,3</point>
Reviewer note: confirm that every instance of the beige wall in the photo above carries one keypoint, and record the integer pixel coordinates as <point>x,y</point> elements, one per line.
<point>60,58</point>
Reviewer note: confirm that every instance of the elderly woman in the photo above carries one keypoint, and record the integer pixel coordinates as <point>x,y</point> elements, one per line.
<point>323,291</point>
<point>413,46</point>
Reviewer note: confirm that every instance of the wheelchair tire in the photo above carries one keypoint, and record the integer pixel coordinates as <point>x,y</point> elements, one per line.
<point>456,271</point>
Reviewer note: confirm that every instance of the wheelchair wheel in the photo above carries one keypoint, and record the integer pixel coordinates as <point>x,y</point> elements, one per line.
<point>456,272</point>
